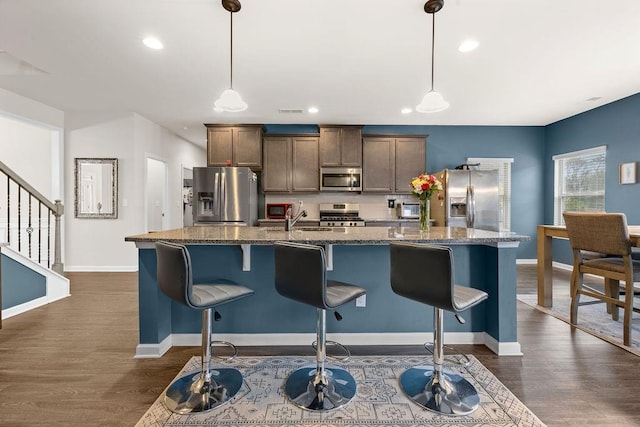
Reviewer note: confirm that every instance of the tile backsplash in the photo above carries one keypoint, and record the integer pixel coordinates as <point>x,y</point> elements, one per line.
<point>372,206</point>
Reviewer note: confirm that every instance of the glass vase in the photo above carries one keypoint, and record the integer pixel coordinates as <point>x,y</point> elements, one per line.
<point>424,215</point>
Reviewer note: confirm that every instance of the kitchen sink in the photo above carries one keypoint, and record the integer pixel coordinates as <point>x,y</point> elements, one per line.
<point>314,228</point>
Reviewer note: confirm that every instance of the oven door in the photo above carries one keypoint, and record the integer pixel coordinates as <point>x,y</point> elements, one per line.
<point>340,179</point>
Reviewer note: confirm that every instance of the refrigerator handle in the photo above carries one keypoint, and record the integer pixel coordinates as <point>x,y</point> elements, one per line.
<point>223,194</point>
<point>216,194</point>
<point>471,206</point>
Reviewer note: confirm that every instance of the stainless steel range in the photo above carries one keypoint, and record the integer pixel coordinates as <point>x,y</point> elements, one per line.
<point>340,215</point>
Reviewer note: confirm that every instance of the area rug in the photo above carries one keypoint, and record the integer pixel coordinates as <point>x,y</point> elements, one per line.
<point>592,319</point>
<point>378,402</point>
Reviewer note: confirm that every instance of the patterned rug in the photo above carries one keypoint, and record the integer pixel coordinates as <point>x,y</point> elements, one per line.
<point>592,319</point>
<point>378,402</point>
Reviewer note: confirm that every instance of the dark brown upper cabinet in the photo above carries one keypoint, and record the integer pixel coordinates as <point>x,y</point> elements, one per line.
<point>390,162</point>
<point>237,145</point>
<point>290,164</point>
<point>340,146</point>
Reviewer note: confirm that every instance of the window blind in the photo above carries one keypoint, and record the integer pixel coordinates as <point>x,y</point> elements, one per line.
<point>579,181</point>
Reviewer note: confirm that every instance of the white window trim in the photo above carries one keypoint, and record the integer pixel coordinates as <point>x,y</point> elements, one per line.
<point>586,152</point>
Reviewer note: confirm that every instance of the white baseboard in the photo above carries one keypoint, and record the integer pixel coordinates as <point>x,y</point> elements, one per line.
<point>101,268</point>
<point>153,351</point>
<point>561,266</point>
<point>511,348</point>
<point>391,338</point>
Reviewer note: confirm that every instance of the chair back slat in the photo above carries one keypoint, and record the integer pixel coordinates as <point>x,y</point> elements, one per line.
<point>606,233</point>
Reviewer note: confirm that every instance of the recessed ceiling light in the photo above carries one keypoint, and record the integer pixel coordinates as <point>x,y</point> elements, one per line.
<point>594,98</point>
<point>406,110</point>
<point>153,43</point>
<point>468,45</point>
<point>313,110</point>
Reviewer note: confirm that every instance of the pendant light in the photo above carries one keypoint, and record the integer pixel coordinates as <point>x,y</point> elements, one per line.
<point>433,102</point>
<point>230,100</point>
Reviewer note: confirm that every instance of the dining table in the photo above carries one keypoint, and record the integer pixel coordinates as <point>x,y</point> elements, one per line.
<point>545,257</point>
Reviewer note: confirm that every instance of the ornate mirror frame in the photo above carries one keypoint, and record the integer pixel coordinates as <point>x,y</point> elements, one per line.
<point>96,188</point>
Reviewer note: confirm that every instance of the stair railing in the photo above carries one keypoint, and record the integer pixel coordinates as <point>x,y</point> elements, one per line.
<point>25,216</point>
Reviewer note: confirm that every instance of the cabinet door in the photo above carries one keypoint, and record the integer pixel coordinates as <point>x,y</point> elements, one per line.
<point>219,146</point>
<point>277,165</point>
<point>329,147</point>
<point>351,147</point>
<point>378,164</point>
<point>247,147</point>
<point>410,162</point>
<point>305,173</point>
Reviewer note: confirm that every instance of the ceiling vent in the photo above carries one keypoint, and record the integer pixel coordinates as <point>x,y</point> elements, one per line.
<point>290,110</point>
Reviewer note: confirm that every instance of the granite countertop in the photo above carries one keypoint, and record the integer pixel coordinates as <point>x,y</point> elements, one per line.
<point>224,235</point>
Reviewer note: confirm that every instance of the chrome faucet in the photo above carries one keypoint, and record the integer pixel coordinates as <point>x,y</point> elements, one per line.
<point>290,220</point>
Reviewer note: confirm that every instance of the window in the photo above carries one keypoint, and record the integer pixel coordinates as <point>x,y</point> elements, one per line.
<point>579,182</point>
<point>503,165</point>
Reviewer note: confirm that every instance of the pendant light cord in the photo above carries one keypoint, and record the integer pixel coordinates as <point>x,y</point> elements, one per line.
<point>231,55</point>
<point>433,39</point>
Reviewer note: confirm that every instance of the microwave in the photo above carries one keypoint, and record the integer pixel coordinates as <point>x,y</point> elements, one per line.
<point>340,179</point>
<point>408,210</point>
<point>278,210</point>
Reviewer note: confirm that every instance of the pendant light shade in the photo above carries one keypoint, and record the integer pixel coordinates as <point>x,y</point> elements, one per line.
<point>230,100</point>
<point>433,101</point>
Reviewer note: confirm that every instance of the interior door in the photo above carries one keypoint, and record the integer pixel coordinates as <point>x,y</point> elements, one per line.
<point>156,197</point>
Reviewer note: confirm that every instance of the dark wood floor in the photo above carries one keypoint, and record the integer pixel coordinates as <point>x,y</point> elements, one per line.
<point>70,363</point>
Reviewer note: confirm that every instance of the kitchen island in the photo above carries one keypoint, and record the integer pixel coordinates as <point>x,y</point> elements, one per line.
<point>360,255</point>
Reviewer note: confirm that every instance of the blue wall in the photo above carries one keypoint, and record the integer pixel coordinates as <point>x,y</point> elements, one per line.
<point>449,146</point>
<point>616,125</point>
<point>483,267</point>
<point>20,284</point>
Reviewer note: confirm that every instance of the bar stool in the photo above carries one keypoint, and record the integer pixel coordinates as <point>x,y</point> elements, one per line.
<point>300,274</point>
<point>205,389</point>
<point>424,273</point>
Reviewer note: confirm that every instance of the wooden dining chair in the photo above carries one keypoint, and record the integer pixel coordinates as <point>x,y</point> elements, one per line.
<point>605,233</point>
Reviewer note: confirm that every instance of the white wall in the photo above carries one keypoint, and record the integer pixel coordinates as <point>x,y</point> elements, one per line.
<point>98,244</point>
<point>93,244</point>
<point>27,149</point>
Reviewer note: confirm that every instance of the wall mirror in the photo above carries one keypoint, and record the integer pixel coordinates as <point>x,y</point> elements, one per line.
<point>96,188</point>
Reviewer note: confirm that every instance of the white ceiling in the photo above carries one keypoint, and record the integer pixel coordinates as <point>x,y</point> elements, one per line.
<point>358,61</point>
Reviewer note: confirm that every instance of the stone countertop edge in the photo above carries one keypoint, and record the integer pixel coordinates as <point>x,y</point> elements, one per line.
<point>225,235</point>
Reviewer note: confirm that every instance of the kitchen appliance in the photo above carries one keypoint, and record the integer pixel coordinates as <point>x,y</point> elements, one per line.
<point>408,210</point>
<point>278,210</point>
<point>469,199</point>
<point>340,215</point>
<point>225,196</point>
<point>340,179</point>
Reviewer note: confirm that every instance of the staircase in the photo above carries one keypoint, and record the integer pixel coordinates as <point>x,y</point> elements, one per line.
<point>29,275</point>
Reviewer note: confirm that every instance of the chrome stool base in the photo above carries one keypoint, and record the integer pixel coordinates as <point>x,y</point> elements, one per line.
<point>337,391</point>
<point>191,393</point>
<point>452,395</point>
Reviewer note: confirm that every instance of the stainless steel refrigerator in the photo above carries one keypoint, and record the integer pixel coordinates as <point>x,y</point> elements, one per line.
<point>225,196</point>
<point>469,199</point>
